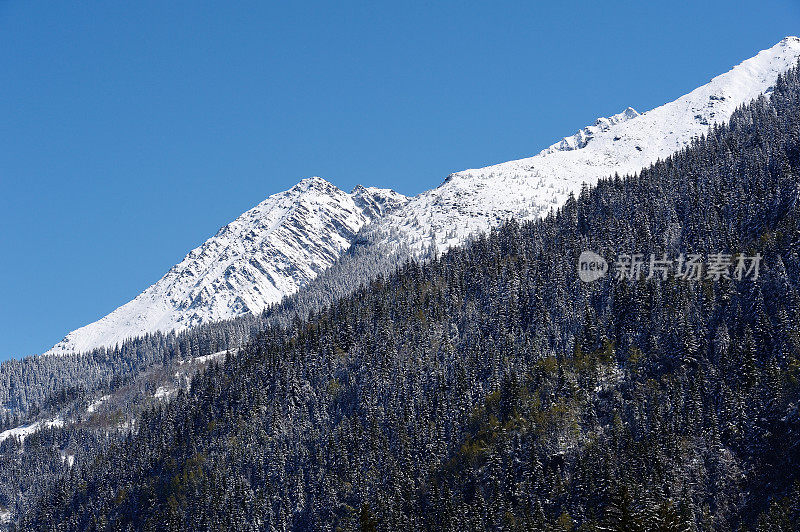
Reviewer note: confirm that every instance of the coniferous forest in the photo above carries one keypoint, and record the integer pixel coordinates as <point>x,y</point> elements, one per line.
<point>491,389</point>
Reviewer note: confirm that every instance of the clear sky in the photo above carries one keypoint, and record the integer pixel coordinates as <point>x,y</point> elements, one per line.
<point>131,131</point>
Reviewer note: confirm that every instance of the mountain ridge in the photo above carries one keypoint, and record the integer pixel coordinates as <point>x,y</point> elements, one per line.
<point>269,251</point>
<point>467,202</point>
<point>474,200</point>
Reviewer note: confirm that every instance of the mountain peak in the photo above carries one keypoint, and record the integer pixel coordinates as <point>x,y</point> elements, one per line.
<point>275,248</point>
<point>266,253</point>
<point>314,183</point>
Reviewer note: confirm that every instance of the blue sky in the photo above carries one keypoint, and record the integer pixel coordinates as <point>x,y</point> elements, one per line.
<point>131,131</point>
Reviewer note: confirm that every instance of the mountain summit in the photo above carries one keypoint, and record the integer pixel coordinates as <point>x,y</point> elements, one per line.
<point>269,251</point>
<point>280,245</point>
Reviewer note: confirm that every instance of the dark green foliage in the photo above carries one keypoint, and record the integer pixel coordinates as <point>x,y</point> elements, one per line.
<point>491,389</point>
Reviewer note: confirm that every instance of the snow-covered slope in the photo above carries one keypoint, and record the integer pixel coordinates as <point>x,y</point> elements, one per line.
<point>26,430</point>
<point>266,253</point>
<point>277,247</point>
<point>475,200</point>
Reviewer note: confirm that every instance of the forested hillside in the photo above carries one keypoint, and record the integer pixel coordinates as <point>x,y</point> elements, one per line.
<point>492,389</point>
<point>37,385</point>
<point>44,388</point>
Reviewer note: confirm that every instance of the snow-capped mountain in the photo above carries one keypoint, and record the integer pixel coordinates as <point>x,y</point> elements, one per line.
<point>267,252</point>
<point>475,200</point>
<point>284,242</point>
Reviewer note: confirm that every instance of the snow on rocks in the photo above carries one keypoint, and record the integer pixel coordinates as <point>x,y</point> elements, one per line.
<point>473,201</point>
<point>266,253</point>
<point>277,247</point>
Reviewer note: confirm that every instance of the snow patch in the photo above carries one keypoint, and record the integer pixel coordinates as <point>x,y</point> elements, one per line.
<point>208,358</point>
<point>69,459</point>
<point>164,393</point>
<point>95,404</point>
<point>24,431</point>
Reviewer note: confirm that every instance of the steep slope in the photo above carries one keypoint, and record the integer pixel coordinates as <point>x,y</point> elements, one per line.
<point>276,248</point>
<point>268,252</point>
<point>492,389</point>
<point>475,200</point>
